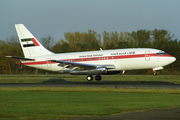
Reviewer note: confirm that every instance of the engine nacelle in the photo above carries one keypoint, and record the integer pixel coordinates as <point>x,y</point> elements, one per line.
<point>96,71</point>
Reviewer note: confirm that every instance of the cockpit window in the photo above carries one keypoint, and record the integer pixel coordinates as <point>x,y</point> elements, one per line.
<point>161,53</point>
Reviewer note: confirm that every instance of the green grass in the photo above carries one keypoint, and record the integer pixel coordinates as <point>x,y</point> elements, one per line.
<point>82,78</point>
<point>62,105</point>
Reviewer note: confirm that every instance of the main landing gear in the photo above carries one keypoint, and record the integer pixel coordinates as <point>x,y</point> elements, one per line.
<point>90,77</point>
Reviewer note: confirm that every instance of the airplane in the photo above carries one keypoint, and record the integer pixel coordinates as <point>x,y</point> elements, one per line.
<point>89,63</point>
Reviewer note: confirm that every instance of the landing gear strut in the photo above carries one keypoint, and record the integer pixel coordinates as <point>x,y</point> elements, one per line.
<point>155,73</point>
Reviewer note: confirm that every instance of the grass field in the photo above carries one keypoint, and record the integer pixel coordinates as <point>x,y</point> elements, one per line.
<point>21,103</point>
<point>62,105</point>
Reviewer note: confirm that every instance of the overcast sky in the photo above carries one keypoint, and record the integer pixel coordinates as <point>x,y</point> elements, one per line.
<point>55,17</point>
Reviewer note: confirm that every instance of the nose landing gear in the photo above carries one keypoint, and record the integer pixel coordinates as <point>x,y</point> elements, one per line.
<point>155,69</point>
<point>155,73</point>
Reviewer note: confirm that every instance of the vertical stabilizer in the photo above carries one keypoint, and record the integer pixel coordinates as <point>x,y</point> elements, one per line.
<point>30,45</point>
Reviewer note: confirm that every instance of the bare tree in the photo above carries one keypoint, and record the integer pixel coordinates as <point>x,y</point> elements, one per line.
<point>47,42</point>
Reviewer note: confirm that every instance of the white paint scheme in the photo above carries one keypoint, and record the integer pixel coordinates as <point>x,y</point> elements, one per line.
<point>120,64</point>
<point>135,58</point>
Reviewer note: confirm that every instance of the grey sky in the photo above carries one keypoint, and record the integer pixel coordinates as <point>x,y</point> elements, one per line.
<point>55,17</point>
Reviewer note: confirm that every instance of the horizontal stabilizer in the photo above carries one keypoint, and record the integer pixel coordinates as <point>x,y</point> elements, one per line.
<point>21,58</point>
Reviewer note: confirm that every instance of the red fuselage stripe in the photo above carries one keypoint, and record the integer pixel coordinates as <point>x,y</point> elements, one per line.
<point>97,58</point>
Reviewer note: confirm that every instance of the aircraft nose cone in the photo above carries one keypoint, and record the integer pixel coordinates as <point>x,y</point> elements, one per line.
<point>172,59</point>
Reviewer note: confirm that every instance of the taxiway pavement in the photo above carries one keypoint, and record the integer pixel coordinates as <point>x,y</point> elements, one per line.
<point>108,84</point>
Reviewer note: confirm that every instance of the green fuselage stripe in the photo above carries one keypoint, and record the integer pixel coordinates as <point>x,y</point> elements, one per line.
<point>25,40</point>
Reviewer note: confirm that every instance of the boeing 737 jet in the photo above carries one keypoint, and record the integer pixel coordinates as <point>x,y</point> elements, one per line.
<point>89,63</point>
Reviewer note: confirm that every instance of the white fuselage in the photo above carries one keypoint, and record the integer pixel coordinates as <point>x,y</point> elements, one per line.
<point>122,59</point>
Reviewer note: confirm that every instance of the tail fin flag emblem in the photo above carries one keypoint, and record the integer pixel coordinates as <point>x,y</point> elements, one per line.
<point>29,42</point>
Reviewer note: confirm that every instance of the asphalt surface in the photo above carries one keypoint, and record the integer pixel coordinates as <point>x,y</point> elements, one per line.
<point>157,114</point>
<point>108,84</point>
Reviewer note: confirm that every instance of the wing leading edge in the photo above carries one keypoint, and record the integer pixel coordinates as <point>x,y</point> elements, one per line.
<point>75,65</point>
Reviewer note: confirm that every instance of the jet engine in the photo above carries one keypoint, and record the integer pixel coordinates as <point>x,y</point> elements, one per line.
<point>95,71</point>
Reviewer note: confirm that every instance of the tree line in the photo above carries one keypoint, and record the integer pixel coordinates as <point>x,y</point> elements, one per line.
<point>91,40</point>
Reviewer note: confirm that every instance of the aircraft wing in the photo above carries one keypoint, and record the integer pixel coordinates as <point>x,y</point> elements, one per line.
<point>75,65</point>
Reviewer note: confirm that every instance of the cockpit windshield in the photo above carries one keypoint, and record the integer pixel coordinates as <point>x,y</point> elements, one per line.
<point>161,53</point>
